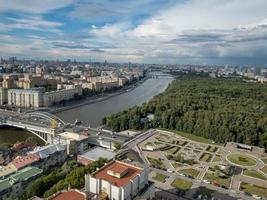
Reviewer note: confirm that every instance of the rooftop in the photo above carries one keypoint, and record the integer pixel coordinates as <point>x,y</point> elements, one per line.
<point>98,152</point>
<point>118,173</point>
<point>21,175</point>
<point>69,195</point>
<point>45,151</point>
<point>22,161</point>
<point>73,136</point>
<point>7,170</point>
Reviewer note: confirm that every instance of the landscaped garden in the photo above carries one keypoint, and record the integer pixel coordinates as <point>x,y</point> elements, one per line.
<point>264,170</point>
<point>181,184</point>
<point>190,172</point>
<point>254,174</point>
<point>160,177</point>
<point>212,149</point>
<point>205,157</point>
<point>253,189</point>
<point>212,177</point>
<point>217,158</point>
<point>241,160</point>
<point>264,160</point>
<point>156,162</point>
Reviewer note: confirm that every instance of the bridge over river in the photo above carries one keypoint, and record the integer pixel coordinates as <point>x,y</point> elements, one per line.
<point>42,124</point>
<point>47,127</point>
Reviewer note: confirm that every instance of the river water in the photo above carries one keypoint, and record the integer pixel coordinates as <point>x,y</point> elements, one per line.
<point>93,113</point>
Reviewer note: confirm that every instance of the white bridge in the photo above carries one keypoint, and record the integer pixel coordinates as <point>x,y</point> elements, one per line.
<point>38,123</point>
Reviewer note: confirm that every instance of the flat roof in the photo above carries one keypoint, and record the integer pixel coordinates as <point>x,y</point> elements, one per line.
<point>132,172</point>
<point>73,136</point>
<point>96,153</point>
<point>22,161</point>
<point>8,169</point>
<point>27,172</point>
<point>69,195</point>
<point>21,175</point>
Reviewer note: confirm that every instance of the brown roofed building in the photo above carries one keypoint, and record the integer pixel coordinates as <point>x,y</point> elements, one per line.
<point>119,181</point>
<point>23,161</point>
<point>68,195</point>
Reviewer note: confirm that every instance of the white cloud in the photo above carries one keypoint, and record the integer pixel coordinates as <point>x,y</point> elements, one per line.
<point>32,6</point>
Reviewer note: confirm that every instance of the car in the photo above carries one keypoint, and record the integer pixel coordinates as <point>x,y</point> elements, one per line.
<point>170,171</point>
<point>100,138</point>
<point>256,196</point>
<point>206,181</point>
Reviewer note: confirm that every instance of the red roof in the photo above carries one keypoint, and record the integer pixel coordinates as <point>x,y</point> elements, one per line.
<point>22,161</point>
<point>69,195</point>
<point>119,167</point>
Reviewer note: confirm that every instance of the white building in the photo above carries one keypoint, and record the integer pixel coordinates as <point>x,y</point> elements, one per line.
<point>119,181</point>
<point>36,97</point>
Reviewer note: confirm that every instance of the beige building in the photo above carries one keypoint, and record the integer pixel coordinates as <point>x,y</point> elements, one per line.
<point>29,98</point>
<point>50,98</point>
<point>119,181</point>
<point>3,96</point>
<point>26,81</point>
<point>76,143</point>
<point>34,98</point>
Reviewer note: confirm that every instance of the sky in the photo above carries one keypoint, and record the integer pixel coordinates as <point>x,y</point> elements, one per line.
<point>221,32</point>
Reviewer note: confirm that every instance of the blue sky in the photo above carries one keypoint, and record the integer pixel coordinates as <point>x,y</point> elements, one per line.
<point>223,32</point>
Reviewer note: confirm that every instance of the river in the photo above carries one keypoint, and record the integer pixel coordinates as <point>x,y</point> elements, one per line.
<point>92,114</point>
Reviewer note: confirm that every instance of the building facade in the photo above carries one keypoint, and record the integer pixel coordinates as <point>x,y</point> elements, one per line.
<point>119,181</point>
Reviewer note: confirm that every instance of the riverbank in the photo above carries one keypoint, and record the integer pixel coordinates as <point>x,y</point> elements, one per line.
<point>95,110</point>
<point>96,98</point>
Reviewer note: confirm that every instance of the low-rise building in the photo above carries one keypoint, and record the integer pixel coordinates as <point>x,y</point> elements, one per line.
<point>23,161</point>
<point>119,181</point>
<point>94,154</point>
<point>14,185</point>
<point>68,195</point>
<point>76,143</point>
<point>50,155</point>
<point>7,170</point>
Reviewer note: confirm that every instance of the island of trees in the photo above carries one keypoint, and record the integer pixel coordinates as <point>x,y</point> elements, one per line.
<point>221,109</point>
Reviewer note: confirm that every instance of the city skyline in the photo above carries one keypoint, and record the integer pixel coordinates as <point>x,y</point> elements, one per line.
<point>142,31</point>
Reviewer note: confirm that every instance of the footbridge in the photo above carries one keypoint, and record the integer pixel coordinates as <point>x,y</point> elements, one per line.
<point>42,124</point>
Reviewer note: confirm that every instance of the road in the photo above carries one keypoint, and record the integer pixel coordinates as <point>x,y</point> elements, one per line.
<point>133,145</point>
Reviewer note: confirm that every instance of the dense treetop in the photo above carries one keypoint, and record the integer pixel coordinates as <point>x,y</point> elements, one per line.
<point>222,109</point>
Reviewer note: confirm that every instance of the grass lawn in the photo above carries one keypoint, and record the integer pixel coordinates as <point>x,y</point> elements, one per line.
<point>156,162</point>
<point>181,184</point>
<point>221,181</point>
<point>190,172</point>
<point>264,169</point>
<point>254,174</point>
<point>212,149</point>
<point>160,177</point>
<point>131,156</point>
<point>264,160</point>
<point>217,158</point>
<point>221,151</point>
<point>242,160</point>
<point>253,189</point>
<point>205,157</point>
<point>191,136</point>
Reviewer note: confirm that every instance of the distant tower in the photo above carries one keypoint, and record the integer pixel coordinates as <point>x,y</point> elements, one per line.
<point>2,60</point>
